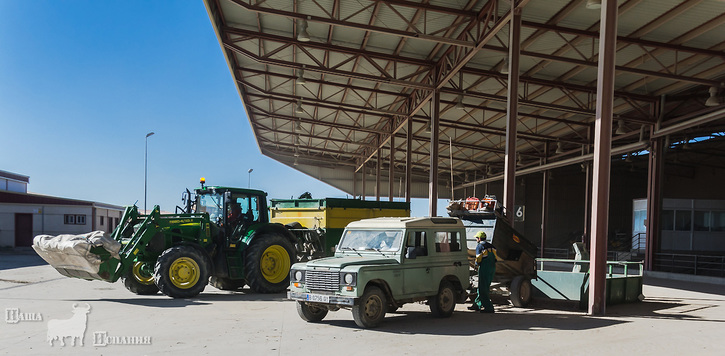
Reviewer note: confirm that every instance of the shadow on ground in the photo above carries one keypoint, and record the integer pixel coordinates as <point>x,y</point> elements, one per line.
<point>472,323</point>
<point>161,301</point>
<point>718,289</point>
<point>13,259</point>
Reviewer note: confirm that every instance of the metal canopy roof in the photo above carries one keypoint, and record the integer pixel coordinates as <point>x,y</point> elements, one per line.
<point>328,85</point>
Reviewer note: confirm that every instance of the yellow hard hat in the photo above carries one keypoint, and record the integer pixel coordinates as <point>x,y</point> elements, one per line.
<point>481,235</point>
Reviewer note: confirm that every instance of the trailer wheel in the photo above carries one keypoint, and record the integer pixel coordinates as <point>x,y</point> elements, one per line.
<point>139,280</point>
<point>520,291</point>
<point>181,272</point>
<point>442,305</point>
<point>223,283</point>
<point>310,313</point>
<point>267,263</point>
<point>370,312</point>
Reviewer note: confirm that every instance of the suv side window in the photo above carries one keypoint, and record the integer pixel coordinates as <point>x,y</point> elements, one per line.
<point>447,241</point>
<point>417,240</point>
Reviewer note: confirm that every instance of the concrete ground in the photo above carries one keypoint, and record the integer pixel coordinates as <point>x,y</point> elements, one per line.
<point>675,318</point>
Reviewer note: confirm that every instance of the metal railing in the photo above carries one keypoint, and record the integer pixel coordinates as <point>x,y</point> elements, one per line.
<point>567,253</point>
<point>614,268</point>
<point>638,241</point>
<point>701,265</point>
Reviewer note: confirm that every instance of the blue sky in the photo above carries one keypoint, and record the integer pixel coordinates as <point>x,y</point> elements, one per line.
<point>82,82</point>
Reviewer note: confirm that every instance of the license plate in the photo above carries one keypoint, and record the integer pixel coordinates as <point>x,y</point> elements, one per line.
<point>318,298</point>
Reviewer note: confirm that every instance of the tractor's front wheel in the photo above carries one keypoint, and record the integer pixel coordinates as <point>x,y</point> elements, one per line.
<point>139,279</point>
<point>181,272</point>
<point>267,263</point>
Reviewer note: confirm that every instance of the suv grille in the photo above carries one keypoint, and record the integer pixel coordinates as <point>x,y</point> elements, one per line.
<point>322,280</point>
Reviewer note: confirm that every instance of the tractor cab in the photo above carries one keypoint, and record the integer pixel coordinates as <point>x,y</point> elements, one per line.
<point>232,210</point>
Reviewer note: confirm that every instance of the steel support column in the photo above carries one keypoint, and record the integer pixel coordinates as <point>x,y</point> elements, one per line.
<point>364,173</point>
<point>391,170</point>
<point>509,187</point>
<point>378,168</point>
<point>586,231</point>
<point>654,200</point>
<point>354,183</point>
<point>544,201</point>
<point>433,177</point>
<point>409,161</point>
<point>602,159</point>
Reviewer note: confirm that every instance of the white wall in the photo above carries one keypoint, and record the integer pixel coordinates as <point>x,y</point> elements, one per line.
<point>47,220</point>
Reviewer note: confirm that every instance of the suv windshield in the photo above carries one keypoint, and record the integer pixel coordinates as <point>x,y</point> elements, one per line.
<point>378,240</point>
<point>212,204</point>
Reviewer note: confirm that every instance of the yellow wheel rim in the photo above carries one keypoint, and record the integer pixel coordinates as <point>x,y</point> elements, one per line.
<point>140,275</point>
<point>275,264</point>
<point>184,273</point>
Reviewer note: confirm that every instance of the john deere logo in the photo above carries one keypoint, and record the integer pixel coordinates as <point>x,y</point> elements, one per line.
<point>516,239</point>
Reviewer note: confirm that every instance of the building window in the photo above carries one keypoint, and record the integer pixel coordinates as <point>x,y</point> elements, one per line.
<point>72,219</point>
<point>101,220</point>
<point>702,221</point>
<point>668,220</point>
<point>718,221</point>
<point>683,220</point>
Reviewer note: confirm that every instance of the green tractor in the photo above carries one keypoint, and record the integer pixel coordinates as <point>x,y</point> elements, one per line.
<point>222,237</point>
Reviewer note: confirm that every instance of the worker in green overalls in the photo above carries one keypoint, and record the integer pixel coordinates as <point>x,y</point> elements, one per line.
<point>486,261</point>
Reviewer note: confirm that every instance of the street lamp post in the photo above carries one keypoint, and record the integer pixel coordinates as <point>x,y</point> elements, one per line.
<point>145,169</point>
<point>249,182</point>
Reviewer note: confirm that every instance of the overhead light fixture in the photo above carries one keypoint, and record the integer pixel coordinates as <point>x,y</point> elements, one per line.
<point>298,126</point>
<point>559,148</point>
<point>505,67</point>
<point>299,109</point>
<point>297,140</point>
<point>459,102</point>
<point>713,100</point>
<point>489,171</point>
<point>302,34</point>
<point>620,128</point>
<point>428,128</point>
<point>295,162</point>
<point>594,4</point>
<point>519,159</point>
<point>301,77</point>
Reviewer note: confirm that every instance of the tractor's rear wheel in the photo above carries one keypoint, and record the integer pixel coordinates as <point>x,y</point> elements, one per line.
<point>267,263</point>
<point>139,279</point>
<point>181,272</point>
<point>223,283</point>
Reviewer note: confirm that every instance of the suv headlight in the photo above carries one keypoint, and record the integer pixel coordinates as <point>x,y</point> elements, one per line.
<point>297,275</point>
<point>348,278</point>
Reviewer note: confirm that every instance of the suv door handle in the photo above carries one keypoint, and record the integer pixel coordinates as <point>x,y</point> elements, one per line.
<point>457,264</point>
<point>427,270</point>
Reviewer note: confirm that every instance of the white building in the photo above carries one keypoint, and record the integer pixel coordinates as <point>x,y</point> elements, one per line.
<point>24,215</point>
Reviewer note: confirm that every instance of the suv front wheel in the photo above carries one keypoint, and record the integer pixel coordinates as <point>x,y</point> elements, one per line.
<point>371,310</point>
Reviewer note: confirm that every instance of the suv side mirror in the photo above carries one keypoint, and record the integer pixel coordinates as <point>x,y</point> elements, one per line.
<point>410,253</point>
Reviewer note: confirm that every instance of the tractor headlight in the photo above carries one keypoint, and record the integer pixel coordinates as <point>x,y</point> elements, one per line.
<point>349,278</point>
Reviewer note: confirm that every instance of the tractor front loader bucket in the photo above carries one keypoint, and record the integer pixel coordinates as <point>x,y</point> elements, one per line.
<point>98,255</point>
<point>93,255</point>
